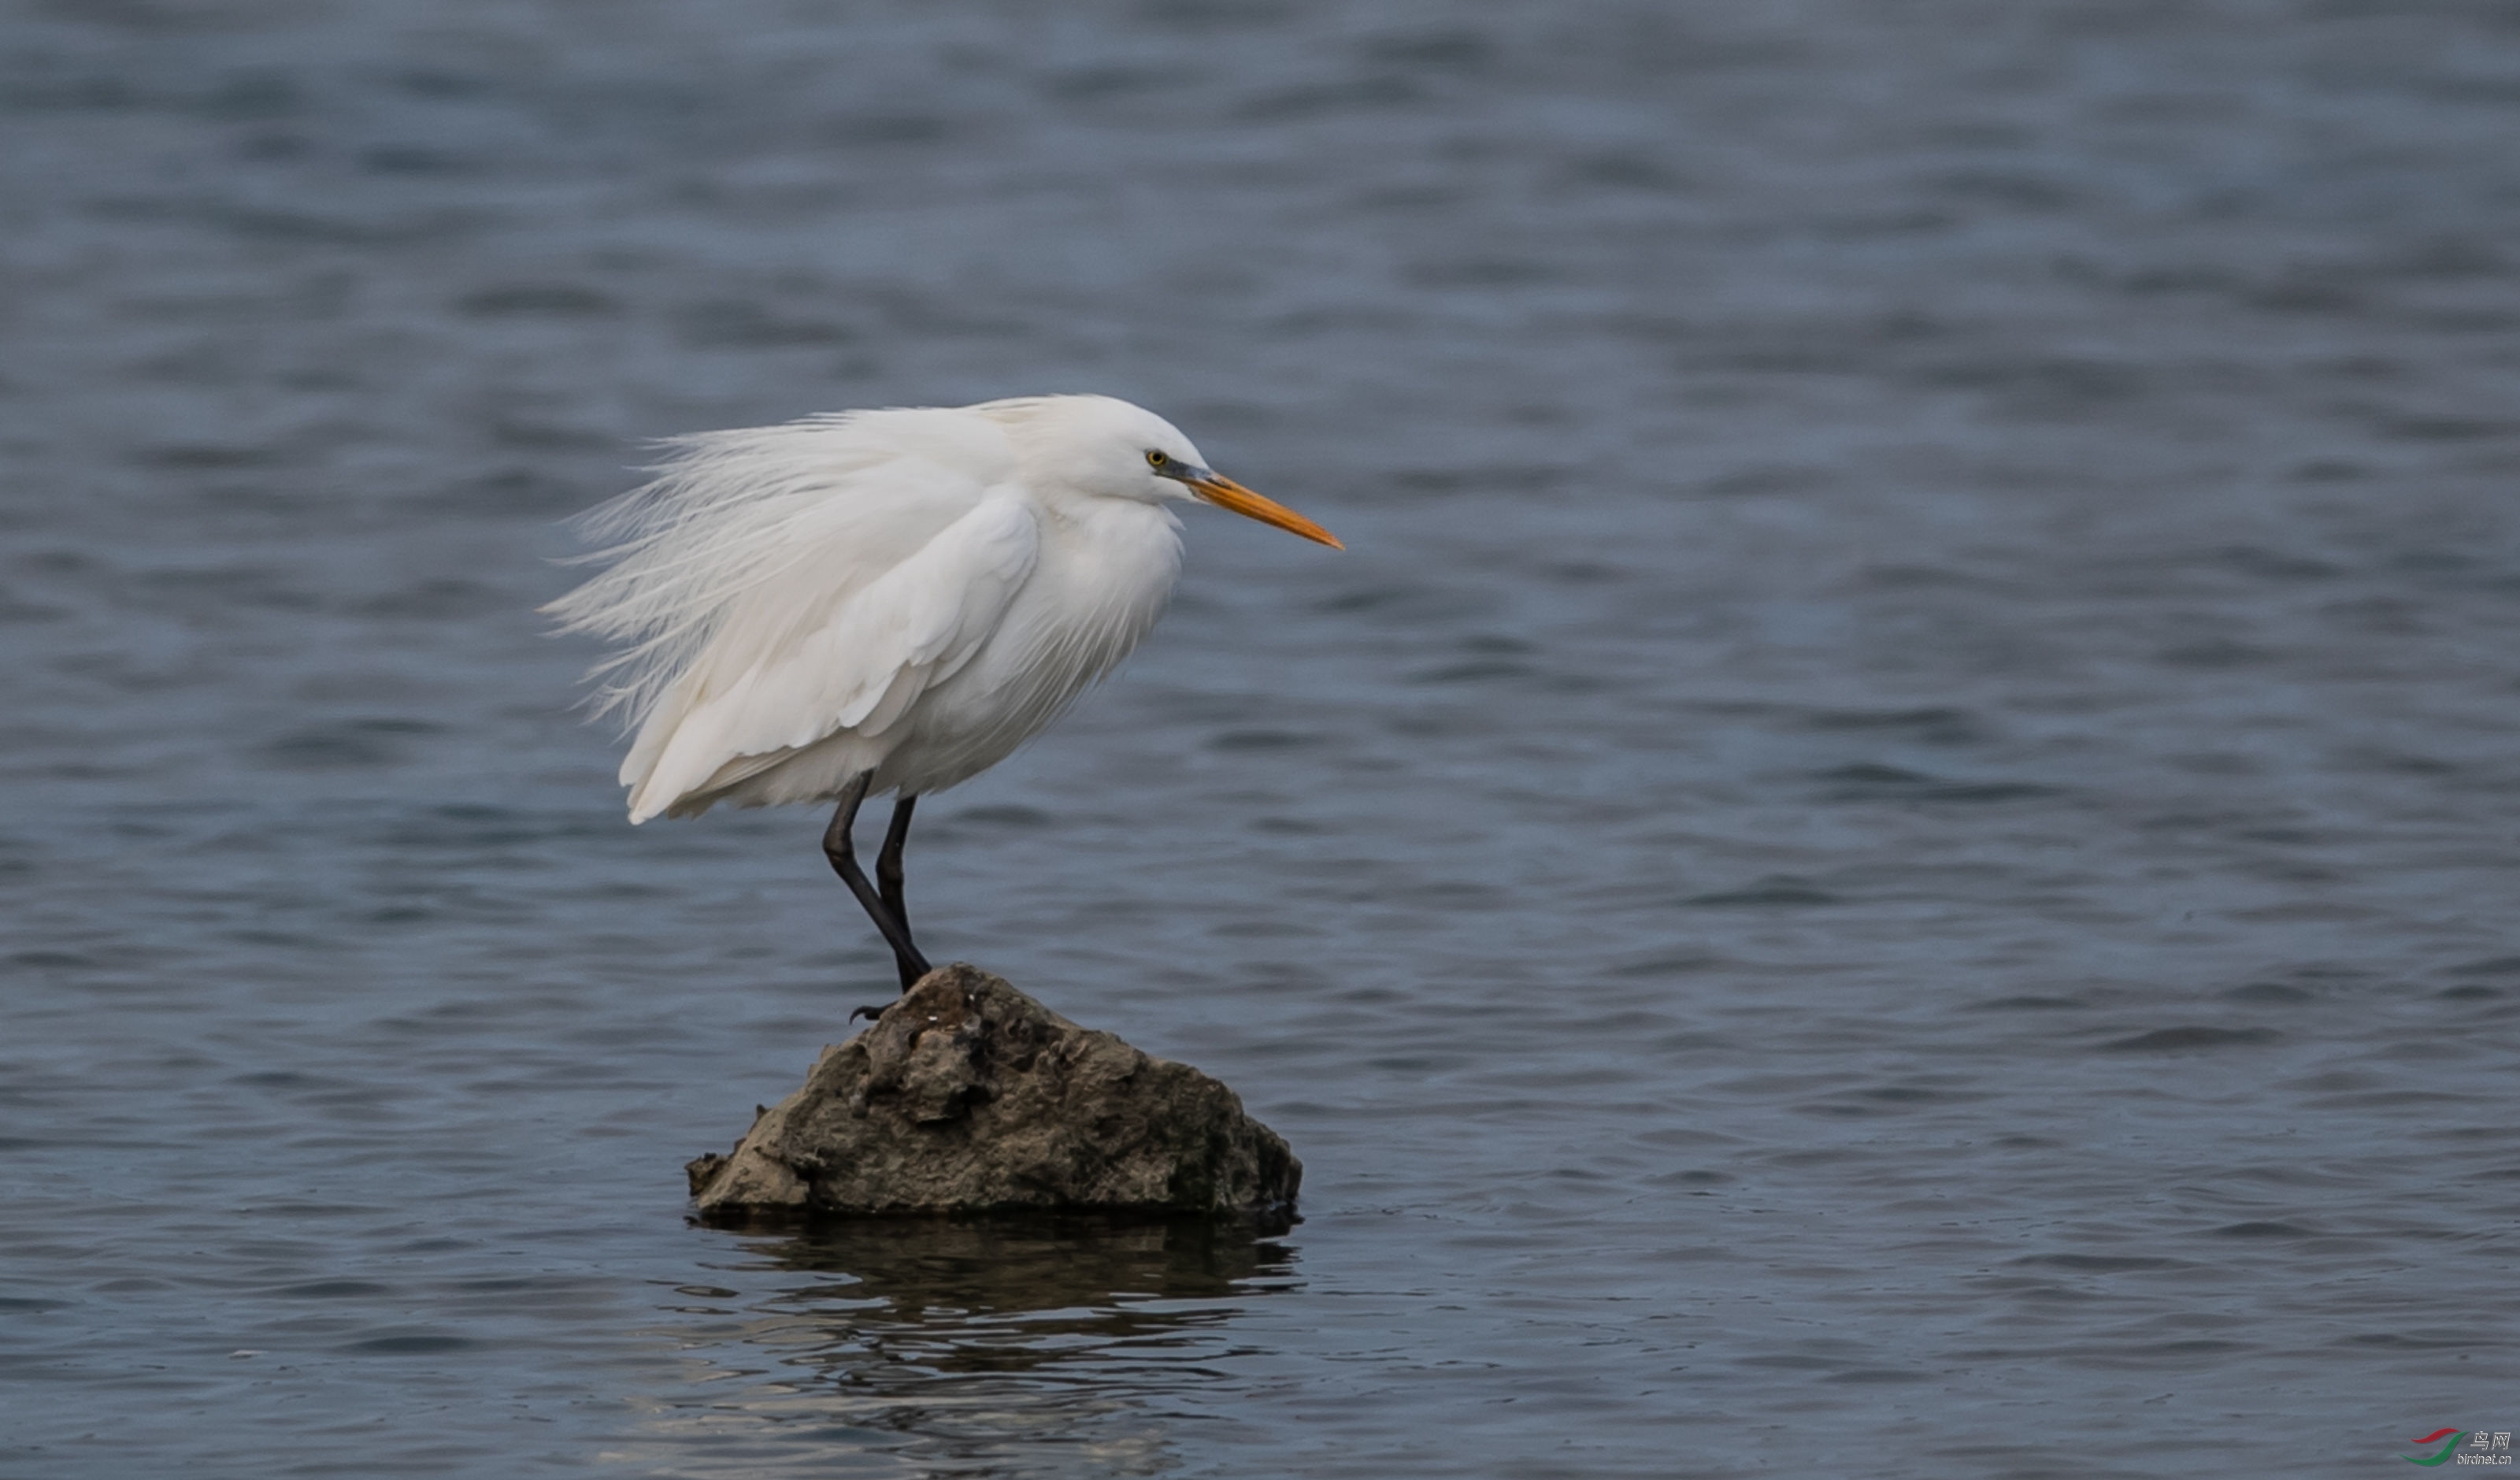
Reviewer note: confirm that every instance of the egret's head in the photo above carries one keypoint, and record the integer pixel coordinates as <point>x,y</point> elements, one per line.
<point>1100,445</point>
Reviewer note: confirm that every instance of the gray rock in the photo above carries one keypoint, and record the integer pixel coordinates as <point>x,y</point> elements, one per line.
<point>969,1097</point>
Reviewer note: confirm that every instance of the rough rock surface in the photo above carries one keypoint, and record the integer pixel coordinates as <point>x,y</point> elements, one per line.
<point>968,1095</point>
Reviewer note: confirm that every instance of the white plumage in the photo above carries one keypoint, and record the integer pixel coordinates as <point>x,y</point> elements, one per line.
<point>914,593</point>
<point>904,596</point>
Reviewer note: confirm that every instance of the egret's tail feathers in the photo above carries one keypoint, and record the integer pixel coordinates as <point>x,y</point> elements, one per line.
<point>672,796</point>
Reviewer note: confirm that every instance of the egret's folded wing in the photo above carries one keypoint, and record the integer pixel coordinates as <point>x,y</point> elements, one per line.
<point>859,669</point>
<point>748,536</point>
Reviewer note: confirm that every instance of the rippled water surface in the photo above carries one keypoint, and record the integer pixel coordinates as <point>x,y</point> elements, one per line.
<point>1893,852</point>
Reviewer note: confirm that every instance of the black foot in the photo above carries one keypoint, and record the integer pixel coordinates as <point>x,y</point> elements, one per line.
<point>870,1014</point>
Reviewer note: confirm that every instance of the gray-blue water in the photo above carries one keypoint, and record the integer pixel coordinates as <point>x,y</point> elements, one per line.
<point>1893,853</point>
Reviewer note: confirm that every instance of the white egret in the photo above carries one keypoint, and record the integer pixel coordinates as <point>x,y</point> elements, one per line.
<point>882,602</point>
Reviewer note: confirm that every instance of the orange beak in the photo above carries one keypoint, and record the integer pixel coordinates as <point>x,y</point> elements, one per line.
<point>1225,493</point>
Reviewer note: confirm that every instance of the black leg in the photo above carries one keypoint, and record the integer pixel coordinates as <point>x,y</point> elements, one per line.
<point>842,849</point>
<point>888,878</point>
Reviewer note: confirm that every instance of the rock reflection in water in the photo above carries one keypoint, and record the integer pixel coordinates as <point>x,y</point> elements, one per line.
<point>1011,1347</point>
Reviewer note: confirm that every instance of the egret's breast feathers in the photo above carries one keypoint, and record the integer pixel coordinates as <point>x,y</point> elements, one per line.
<point>1097,589</point>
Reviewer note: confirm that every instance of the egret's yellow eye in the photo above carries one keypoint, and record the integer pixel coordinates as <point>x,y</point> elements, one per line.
<point>1156,459</point>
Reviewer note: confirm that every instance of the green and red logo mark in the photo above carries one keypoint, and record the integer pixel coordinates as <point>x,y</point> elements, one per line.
<point>2453,1435</point>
